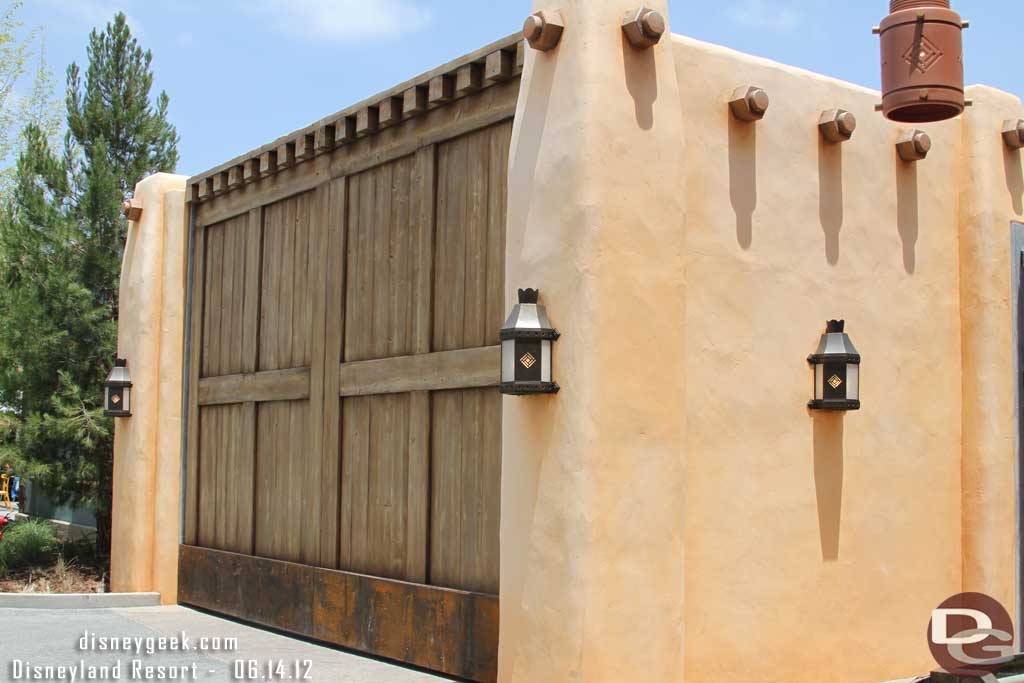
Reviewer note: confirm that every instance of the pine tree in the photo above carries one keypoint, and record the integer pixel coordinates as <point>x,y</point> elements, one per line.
<point>61,242</point>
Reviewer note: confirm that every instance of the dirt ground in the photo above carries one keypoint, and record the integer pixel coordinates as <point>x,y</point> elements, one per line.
<point>61,577</point>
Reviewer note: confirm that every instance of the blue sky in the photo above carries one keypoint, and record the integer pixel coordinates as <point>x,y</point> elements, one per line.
<point>242,72</point>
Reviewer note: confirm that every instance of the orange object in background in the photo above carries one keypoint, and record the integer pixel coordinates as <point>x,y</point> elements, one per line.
<point>5,490</point>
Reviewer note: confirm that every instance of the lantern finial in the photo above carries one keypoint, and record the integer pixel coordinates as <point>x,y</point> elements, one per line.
<point>529,296</point>
<point>836,326</point>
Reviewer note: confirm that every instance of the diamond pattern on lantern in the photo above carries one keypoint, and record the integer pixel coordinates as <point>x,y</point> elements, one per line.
<point>115,399</point>
<point>528,360</point>
<point>834,381</point>
<point>923,54</point>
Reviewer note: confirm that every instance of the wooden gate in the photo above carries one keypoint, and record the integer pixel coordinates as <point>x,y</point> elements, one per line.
<point>344,430</point>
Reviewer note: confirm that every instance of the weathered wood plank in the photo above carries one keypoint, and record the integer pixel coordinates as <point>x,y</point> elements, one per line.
<point>212,300</point>
<point>384,543</point>
<point>453,632</point>
<point>316,298</point>
<point>360,274</point>
<point>330,487</point>
<point>195,363</point>
<point>446,489</point>
<point>380,228</point>
<point>487,561</point>
<point>450,249</point>
<point>244,477</point>
<point>251,291</point>
<point>417,489</point>
<point>285,328</point>
<point>227,341</point>
<point>379,302</point>
<point>209,447</point>
<point>355,467</point>
<point>285,315</point>
<point>480,367</point>
<point>423,266</point>
<point>291,384</point>
<point>218,492</point>
<point>417,552</point>
<point>497,200</point>
<point>281,443</point>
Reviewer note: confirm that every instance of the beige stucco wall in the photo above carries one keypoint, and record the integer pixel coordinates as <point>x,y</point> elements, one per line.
<point>592,479</point>
<point>990,193</point>
<point>816,542</point>
<point>147,446</point>
<point>810,546</point>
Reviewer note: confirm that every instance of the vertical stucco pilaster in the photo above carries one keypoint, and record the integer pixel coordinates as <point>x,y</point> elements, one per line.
<point>989,201</point>
<point>167,512</point>
<point>149,337</point>
<point>593,478</point>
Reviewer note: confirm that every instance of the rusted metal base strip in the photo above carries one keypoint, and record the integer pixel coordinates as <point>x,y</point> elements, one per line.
<point>449,631</point>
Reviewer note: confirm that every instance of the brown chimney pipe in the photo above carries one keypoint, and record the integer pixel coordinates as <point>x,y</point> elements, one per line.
<point>922,61</point>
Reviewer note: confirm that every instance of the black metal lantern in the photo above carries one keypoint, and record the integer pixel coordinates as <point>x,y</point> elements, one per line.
<point>526,348</point>
<point>836,370</point>
<point>117,391</point>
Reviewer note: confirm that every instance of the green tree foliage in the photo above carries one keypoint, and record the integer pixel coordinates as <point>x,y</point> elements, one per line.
<point>61,242</point>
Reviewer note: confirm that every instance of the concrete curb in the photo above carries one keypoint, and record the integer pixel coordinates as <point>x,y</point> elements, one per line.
<point>77,600</point>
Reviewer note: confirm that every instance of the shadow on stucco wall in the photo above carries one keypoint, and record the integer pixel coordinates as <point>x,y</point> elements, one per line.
<point>907,213</point>
<point>828,479</point>
<point>830,196</point>
<point>641,82</point>
<point>525,151</point>
<point>743,177</point>
<point>1012,162</point>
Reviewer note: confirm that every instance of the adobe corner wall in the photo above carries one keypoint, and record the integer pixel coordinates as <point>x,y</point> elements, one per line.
<point>147,446</point>
<point>677,511</point>
<point>593,477</point>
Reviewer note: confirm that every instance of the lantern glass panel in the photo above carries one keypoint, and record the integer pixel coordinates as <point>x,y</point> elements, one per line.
<point>508,360</point>
<point>853,382</point>
<point>126,395</point>
<point>545,360</point>
<point>819,381</point>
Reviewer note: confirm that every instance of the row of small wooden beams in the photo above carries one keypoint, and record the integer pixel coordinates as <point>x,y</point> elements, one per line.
<point>435,89</point>
<point>462,369</point>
